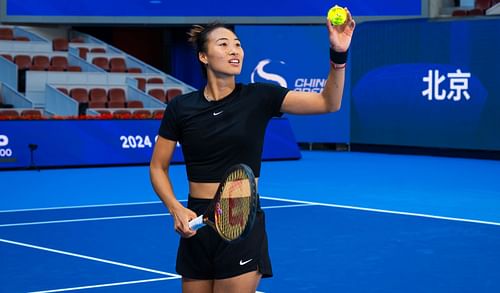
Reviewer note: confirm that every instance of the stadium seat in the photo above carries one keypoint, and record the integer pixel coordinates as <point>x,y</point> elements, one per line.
<point>22,61</point>
<point>158,114</point>
<point>59,61</point>
<point>116,104</point>
<point>482,4</point>
<point>141,83</point>
<point>97,104</point>
<point>21,39</point>
<point>63,90</point>
<point>135,104</point>
<point>77,40</point>
<point>82,52</point>
<point>31,114</point>
<point>134,70</point>
<point>60,44</point>
<point>74,68</point>
<point>143,114</point>
<point>8,57</point>
<point>116,95</point>
<point>41,61</point>
<point>80,95</point>
<point>117,65</point>
<point>159,94</point>
<point>98,50</point>
<point>155,80</point>
<point>98,95</point>
<point>122,114</point>
<point>35,67</point>
<point>6,33</point>
<point>101,62</point>
<point>9,114</point>
<point>172,93</point>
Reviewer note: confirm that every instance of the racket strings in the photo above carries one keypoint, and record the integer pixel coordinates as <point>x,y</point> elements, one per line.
<point>234,205</point>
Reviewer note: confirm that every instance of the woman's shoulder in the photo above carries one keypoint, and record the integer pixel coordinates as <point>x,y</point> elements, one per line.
<point>185,98</point>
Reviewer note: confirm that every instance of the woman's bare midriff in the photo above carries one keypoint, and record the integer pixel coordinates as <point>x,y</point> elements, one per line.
<point>204,190</point>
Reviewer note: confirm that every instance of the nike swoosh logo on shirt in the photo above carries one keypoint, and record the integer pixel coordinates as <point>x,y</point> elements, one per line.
<point>217,113</point>
<point>242,263</point>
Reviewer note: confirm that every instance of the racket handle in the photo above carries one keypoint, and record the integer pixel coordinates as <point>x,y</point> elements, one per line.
<point>196,223</point>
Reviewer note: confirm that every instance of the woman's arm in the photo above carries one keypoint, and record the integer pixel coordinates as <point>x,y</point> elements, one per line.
<point>158,171</point>
<point>329,100</point>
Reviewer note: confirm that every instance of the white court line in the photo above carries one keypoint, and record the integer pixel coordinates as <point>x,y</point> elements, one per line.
<point>84,206</point>
<point>119,217</point>
<point>83,220</point>
<point>384,211</point>
<point>106,285</point>
<point>89,258</point>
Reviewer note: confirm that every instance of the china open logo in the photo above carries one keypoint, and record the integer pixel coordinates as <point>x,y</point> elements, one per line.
<point>4,142</point>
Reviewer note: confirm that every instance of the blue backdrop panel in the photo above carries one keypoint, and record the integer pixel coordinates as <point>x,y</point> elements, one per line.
<point>295,57</point>
<point>215,8</point>
<point>107,142</point>
<point>427,84</point>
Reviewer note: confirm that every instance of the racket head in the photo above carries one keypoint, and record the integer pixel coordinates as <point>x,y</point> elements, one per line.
<point>236,203</point>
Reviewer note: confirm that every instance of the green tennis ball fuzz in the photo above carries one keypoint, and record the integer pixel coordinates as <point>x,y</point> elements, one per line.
<point>337,15</point>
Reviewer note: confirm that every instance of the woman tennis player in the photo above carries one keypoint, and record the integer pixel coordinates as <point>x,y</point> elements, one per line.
<point>219,126</point>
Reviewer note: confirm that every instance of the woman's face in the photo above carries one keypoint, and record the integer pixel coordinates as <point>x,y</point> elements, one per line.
<point>224,54</point>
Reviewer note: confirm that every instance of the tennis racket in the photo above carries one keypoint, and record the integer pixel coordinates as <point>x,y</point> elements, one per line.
<point>232,210</point>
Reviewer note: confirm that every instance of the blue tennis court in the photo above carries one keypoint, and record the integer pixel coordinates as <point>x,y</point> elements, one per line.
<point>337,222</point>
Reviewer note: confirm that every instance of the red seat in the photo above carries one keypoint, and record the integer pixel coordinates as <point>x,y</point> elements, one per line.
<point>459,12</point>
<point>21,39</point>
<point>9,114</point>
<point>22,61</point>
<point>159,94</point>
<point>122,114</point>
<point>6,33</point>
<point>59,61</point>
<point>38,67</point>
<point>141,83</point>
<point>155,80</point>
<point>117,64</point>
<point>142,114</point>
<point>135,104</point>
<point>98,95</point>
<point>60,44</point>
<point>42,61</point>
<point>8,57</point>
<point>80,94</point>
<point>116,104</point>
<point>116,94</point>
<point>77,40</point>
<point>158,114</point>
<point>63,90</point>
<point>134,70</point>
<point>97,104</point>
<point>98,50</point>
<point>82,52</point>
<point>31,114</point>
<point>172,93</point>
<point>74,68</point>
<point>101,62</point>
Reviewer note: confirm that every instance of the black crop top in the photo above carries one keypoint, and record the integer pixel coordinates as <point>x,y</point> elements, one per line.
<point>216,135</point>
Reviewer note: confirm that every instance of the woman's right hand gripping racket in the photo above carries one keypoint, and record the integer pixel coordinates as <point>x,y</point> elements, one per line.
<point>232,210</point>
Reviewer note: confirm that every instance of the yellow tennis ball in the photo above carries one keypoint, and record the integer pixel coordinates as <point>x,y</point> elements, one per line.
<point>337,15</point>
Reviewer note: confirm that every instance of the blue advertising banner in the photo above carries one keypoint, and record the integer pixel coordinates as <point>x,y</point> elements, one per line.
<point>60,143</point>
<point>295,57</point>
<point>214,8</point>
<point>427,84</point>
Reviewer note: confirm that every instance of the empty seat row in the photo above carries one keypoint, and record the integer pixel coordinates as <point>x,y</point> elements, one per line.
<point>84,95</point>
<point>25,114</point>
<point>141,82</point>
<point>127,114</point>
<point>165,95</point>
<point>7,34</point>
<point>116,104</point>
<point>42,62</point>
<point>114,64</point>
<point>61,44</point>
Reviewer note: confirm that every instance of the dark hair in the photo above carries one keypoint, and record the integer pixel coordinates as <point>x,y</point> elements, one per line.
<point>198,37</point>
